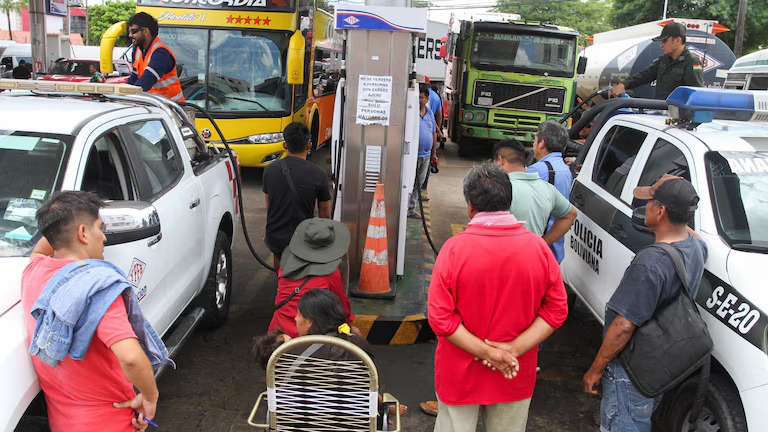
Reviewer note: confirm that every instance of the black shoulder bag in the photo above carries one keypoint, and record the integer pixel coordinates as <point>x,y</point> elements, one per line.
<point>672,345</point>
<point>301,205</point>
<point>293,294</point>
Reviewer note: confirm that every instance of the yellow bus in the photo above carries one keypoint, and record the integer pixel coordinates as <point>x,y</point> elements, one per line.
<point>232,58</point>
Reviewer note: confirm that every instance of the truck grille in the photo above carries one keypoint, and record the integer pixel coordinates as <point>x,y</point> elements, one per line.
<point>527,97</point>
<point>515,121</point>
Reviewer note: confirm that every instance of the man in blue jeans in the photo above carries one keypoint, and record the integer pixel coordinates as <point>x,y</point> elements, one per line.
<point>548,144</point>
<point>649,281</point>
<point>427,148</point>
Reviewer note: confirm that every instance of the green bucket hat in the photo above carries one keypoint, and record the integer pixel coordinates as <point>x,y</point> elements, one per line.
<point>316,248</point>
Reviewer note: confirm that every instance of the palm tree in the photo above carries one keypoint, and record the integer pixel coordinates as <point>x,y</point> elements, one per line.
<point>9,6</point>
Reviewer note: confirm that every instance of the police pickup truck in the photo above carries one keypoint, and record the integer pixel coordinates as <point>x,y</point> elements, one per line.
<point>727,162</point>
<point>169,221</point>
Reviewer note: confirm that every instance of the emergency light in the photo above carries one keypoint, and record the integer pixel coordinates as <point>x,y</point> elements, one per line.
<point>70,87</point>
<point>696,105</point>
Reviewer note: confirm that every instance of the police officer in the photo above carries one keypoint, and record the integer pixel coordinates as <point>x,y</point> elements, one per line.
<point>677,67</point>
<point>154,65</point>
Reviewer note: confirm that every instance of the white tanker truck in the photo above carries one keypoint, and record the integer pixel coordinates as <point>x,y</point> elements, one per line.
<point>617,54</point>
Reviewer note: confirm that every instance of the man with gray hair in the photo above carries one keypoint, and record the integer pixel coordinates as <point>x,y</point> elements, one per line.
<point>513,293</point>
<point>548,145</point>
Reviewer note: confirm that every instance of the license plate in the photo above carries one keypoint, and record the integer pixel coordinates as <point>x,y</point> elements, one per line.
<point>484,101</point>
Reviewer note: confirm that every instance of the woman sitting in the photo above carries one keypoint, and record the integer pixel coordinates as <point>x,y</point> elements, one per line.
<point>311,260</point>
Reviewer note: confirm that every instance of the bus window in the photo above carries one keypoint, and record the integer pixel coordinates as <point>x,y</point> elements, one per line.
<point>247,72</point>
<point>758,83</point>
<point>190,47</point>
<point>326,73</point>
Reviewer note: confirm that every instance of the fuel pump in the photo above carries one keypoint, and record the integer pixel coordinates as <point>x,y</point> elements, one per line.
<point>375,128</point>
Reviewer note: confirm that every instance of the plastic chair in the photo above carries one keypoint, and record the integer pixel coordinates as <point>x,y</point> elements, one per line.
<point>311,393</point>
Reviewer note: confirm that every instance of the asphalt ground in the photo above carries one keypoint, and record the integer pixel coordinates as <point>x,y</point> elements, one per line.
<point>217,382</point>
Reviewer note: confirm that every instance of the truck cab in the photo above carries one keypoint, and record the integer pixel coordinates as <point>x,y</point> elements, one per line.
<point>170,214</point>
<point>727,163</point>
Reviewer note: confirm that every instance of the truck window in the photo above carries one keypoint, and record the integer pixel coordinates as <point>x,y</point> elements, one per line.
<point>160,159</point>
<point>616,156</point>
<point>758,83</point>
<point>106,170</point>
<point>665,158</point>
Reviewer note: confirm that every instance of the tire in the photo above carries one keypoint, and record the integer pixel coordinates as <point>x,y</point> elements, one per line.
<point>217,292</point>
<point>722,409</point>
<point>315,134</point>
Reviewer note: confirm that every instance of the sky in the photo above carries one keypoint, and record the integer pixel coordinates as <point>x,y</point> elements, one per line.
<point>443,8</point>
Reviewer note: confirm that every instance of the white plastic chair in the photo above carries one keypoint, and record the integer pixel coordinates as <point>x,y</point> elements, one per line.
<point>308,393</point>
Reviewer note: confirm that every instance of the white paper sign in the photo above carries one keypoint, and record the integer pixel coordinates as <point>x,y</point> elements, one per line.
<point>374,97</point>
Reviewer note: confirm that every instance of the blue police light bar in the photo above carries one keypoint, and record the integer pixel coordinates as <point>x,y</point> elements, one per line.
<point>701,105</point>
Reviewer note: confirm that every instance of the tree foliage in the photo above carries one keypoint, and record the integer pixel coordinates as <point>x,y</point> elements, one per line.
<point>8,6</point>
<point>631,12</point>
<point>587,17</point>
<point>101,17</point>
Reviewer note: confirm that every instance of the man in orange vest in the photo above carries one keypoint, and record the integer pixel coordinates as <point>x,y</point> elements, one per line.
<point>154,65</point>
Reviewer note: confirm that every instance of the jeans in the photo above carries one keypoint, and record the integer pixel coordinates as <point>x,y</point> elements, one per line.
<point>623,408</point>
<point>422,166</point>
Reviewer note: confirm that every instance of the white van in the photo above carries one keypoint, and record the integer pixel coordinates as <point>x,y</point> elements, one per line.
<point>749,72</point>
<point>11,57</point>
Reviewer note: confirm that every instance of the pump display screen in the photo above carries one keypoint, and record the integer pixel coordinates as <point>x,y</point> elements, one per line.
<point>525,53</point>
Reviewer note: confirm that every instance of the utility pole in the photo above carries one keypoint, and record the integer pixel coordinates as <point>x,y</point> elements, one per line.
<point>87,28</point>
<point>741,22</point>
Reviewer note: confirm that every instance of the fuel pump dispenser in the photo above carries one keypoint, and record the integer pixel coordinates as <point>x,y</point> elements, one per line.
<point>375,125</point>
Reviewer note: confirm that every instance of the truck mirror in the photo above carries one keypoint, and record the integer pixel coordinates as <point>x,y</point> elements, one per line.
<point>129,221</point>
<point>582,66</point>
<point>295,69</point>
<point>443,52</point>
<point>638,221</point>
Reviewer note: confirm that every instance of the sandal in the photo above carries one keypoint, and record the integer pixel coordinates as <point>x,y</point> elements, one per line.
<point>429,408</point>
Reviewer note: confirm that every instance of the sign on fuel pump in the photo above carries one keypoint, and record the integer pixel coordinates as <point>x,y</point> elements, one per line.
<point>376,117</point>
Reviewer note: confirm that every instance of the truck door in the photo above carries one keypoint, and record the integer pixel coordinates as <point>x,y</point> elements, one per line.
<point>598,194</point>
<point>174,265</point>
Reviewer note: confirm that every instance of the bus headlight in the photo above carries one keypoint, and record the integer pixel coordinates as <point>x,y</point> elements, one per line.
<point>265,138</point>
<point>468,115</point>
<point>480,116</point>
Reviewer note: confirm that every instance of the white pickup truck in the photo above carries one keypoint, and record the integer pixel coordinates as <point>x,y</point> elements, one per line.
<point>170,219</point>
<point>727,163</point>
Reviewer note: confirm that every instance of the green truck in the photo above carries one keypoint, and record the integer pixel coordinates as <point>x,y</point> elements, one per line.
<point>506,77</point>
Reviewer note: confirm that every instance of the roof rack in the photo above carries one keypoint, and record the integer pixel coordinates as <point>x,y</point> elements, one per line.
<point>70,87</point>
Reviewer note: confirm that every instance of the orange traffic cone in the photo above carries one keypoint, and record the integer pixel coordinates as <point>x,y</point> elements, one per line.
<point>374,273</point>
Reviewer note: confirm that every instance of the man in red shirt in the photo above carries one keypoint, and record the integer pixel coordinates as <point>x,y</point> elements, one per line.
<point>496,281</point>
<point>97,392</point>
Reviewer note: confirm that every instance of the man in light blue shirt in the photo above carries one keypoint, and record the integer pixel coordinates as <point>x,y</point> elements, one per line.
<point>548,144</point>
<point>427,149</point>
<point>534,201</point>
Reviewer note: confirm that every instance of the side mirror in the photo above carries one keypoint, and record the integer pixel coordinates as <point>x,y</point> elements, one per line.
<point>443,52</point>
<point>582,66</point>
<point>638,221</point>
<point>296,48</point>
<point>130,221</point>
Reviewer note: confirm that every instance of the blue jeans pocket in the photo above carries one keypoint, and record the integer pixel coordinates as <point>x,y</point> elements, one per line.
<point>640,407</point>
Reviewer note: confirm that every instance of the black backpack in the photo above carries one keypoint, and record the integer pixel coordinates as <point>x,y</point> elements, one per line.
<point>672,345</point>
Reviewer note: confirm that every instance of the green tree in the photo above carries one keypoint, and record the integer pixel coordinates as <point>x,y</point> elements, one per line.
<point>9,6</point>
<point>631,12</point>
<point>587,17</point>
<point>101,17</point>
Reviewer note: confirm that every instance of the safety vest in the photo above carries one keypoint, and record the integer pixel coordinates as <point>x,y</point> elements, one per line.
<point>167,85</point>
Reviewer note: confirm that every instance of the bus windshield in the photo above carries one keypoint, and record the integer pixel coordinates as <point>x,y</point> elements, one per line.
<point>524,53</point>
<point>235,71</point>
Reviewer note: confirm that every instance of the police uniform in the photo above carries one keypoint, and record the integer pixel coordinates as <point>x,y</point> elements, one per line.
<point>669,74</point>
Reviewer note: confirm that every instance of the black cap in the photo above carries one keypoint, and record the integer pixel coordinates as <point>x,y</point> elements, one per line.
<point>671,30</point>
<point>671,191</point>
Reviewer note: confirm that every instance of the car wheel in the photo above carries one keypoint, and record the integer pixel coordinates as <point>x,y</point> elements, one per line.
<point>217,292</point>
<point>722,410</point>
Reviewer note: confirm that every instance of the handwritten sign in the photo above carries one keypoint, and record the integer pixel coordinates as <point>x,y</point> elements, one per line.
<point>374,100</point>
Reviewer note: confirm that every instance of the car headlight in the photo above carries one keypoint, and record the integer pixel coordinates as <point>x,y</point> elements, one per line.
<point>265,138</point>
<point>480,116</point>
<point>468,115</point>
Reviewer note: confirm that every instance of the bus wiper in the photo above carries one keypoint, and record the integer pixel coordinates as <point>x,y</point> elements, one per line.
<point>254,101</point>
<point>746,247</point>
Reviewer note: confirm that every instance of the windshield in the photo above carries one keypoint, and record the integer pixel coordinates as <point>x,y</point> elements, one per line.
<point>73,68</point>
<point>31,166</point>
<point>739,186</point>
<point>235,71</point>
<point>524,53</point>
